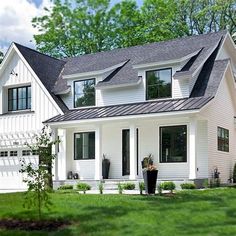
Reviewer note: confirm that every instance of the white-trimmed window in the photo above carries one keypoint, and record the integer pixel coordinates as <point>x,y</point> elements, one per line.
<point>84,146</point>
<point>26,152</point>
<point>223,139</point>
<point>13,153</point>
<point>4,154</point>
<point>173,144</point>
<point>84,93</point>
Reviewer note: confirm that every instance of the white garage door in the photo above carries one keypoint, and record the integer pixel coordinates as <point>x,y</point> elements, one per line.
<point>10,178</point>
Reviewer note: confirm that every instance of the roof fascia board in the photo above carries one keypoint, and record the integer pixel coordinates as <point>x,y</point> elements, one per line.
<point>38,80</point>
<point>122,118</point>
<point>93,73</point>
<point>103,87</point>
<point>167,62</point>
<point>6,58</point>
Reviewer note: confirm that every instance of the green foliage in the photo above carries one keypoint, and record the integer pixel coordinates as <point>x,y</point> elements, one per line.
<point>65,187</point>
<point>83,187</point>
<point>188,186</point>
<point>214,183</point>
<point>38,177</point>
<point>168,185</point>
<point>159,189</point>
<point>72,28</point>
<point>101,187</point>
<point>234,173</point>
<point>141,187</point>
<point>128,186</point>
<point>120,188</point>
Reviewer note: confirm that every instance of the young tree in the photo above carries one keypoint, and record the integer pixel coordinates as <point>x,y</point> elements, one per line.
<point>39,177</point>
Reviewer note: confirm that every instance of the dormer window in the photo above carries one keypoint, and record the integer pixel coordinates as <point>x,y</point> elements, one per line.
<point>19,98</point>
<point>158,84</point>
<point>84,93</point>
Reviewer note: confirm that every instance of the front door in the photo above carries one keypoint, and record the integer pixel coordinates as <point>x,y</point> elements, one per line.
<point>125,152</point>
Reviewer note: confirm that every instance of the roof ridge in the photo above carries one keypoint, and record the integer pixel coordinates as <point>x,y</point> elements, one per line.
<point>35,51</point>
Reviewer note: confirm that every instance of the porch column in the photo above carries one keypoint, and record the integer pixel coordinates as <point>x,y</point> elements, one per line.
<point>61,157</point>
<point>55,152</point>
<point>133,152</point>
<point>98,153</point>
<point>192,148</point>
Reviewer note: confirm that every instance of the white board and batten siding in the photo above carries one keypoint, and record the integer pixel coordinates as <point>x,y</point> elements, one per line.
<point>42,108</point>
<point>220,113</point>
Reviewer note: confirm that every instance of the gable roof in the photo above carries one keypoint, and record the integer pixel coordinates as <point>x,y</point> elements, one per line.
<point>46,68</point>
<point>201,48</point>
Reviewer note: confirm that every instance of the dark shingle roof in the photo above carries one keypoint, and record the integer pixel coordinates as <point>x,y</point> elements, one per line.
<point>149,53</point>
<point>133,109</point>
<point>46,68</point>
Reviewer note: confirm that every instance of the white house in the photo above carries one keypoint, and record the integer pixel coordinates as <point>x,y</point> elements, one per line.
<point>175,100</point>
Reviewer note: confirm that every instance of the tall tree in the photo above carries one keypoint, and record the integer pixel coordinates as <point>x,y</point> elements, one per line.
<point>74,27</point>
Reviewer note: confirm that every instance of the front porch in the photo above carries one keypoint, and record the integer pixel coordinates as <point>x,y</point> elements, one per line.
<point>143,138</point>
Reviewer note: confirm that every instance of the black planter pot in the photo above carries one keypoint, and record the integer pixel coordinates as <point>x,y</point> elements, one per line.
<point>150,179</point>
<point>105,168</point>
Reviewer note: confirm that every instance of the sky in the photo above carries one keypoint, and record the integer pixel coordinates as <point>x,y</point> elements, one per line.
<point>15,21</point>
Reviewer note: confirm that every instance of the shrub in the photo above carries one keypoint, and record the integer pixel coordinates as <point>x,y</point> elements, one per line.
<point>128,186</point>
<point>65,187</point>
<point>188,186</point>
<point>141,187</point>
<point>159,189</point>
<point>120,188</point>
<point>83,187</point>
<point>100,187</point>
<point>234,173</point>
<point>168,185</point>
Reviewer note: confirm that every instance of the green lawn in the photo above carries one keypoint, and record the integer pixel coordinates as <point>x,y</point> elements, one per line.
<point>209,212</point>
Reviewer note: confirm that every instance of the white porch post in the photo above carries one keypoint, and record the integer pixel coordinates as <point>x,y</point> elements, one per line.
<point>98,153</point>
<point>192,148</point>
<point>61,157</point>
<point>55,151</point>
<point>133,152</point>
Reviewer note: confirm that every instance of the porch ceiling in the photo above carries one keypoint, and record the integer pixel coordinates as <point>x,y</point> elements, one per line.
<point>170,105</point>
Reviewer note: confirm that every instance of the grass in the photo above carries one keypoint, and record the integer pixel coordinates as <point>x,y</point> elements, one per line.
<point>209,212</point>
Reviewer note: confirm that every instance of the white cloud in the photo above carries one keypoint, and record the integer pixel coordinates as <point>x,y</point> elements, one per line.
<point>15,21</point>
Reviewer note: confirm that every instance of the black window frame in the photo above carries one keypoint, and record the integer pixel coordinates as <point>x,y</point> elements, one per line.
<point>168,68</point>
<point>82,159</point>
<point>94,79</point>
<point>28,105</point>
<point>3,153</point>
<point>160,144</point>
<point>13,153</point>
<point>26,152</point>
<point>222,142</point>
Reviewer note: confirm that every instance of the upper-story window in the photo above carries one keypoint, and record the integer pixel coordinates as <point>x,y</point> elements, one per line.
<point>223,139</point>
<point>84,93</point>
<point>158,84</point>
<point>19,98</point>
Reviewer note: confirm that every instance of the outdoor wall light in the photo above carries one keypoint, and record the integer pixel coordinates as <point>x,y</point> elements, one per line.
<point>13,72</point>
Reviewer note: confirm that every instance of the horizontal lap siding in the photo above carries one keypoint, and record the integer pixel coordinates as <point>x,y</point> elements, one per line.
<point>202,149</point>
<point>221,113</point>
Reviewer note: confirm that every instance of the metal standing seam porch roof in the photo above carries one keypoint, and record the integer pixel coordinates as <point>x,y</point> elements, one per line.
<point>170,105</point>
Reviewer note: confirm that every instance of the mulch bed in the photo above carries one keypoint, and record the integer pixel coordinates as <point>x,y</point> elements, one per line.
<point>29,225</point>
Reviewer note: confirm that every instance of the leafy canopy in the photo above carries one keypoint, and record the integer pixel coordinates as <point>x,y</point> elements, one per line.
<point>75,27</point>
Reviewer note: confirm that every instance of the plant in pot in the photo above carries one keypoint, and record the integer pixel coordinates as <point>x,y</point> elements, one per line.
<point>105,167</point>
<point>149,174</point>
